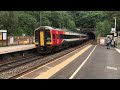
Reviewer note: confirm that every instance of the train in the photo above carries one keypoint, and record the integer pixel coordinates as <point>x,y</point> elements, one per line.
<point>49,39</point>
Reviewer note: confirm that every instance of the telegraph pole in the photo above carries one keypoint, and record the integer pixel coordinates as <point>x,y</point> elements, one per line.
<point>115,24</point>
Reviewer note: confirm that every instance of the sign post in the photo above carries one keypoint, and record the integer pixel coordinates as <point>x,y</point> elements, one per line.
<point>11,40</point>
<point>112,30</point>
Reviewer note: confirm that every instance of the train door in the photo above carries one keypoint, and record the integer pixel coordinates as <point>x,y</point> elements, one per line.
<point>42,36</point>
<point>58,37</point>
<point>54,37</point>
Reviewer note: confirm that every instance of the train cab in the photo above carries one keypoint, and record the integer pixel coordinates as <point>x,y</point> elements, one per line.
<point>43,38</point>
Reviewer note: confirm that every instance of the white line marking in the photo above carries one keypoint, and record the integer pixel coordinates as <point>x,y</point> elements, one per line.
<point>113,68</point>
<point>117,50</point>
<point>52,61</point>
<point>81,64</point>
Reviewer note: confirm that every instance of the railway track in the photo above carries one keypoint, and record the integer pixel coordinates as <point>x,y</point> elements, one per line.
<point>18,62</point>
<point>15,59</point>
<point>11,69</point>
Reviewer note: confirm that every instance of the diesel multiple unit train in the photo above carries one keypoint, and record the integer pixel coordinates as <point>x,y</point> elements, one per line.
<point>48,39</point>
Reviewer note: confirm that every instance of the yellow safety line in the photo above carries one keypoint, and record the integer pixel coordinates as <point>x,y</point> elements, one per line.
<point>52,71</point>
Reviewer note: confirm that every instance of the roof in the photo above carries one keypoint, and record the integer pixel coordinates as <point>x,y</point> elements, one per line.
<point>3,30</point>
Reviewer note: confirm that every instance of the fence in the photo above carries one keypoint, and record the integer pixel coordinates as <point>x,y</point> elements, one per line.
<point>17,40</point>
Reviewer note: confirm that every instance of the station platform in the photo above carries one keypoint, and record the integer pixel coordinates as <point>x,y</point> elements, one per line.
<point>91,62</point>
<point>9,49</point>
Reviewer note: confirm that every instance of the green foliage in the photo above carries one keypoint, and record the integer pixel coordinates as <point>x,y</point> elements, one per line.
<point>8,21</point>
<point>88,19</point>
<point>19,22</point>
<point>62,19</point>
<point>26,23</point>
<point>103,28</point>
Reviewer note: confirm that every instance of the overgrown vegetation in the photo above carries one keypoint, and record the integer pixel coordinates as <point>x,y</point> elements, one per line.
<point>25,22</point>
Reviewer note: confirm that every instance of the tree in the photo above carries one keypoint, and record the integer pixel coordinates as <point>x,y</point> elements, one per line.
<point>8,21</point>
<point>88,19</point>
<point>103,28</point>
<point>26,23</point>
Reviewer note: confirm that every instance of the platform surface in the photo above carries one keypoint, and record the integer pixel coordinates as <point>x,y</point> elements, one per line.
<point>96,62</point>
<point>102,64</point>
<point>9,49</point>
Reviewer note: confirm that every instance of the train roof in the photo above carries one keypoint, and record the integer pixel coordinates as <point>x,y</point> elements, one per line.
<point>66,32</point>
<point>71,33</point>
<point>46,27</point>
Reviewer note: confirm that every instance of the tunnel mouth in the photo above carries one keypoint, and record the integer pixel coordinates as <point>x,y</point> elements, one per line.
<point>91,35</point>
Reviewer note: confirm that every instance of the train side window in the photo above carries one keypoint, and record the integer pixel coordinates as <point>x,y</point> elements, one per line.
<point>37,35</point>
<point>65,36</point>
<point>61,36</point>
<point>53,36</point>
<point>47,34</point>
<point>57,36</point>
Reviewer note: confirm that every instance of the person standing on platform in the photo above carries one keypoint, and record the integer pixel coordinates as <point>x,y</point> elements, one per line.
<point>108,42</point>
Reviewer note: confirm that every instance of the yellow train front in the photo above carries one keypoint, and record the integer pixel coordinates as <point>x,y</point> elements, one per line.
<point>48,39</point>
<point>43,40</point>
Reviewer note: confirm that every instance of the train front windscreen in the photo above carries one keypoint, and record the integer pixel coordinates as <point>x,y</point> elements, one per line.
<point>37,39</point>
<point>48,36</point>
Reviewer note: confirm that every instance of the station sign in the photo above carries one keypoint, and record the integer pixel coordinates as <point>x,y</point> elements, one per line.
<point>78,29</point>
<point>115,34</point>
<point>112,30</point>
<point>23,35</point>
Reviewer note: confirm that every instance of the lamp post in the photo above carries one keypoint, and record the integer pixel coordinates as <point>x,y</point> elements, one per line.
<point>115,25</point>
<point>115,32</point>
